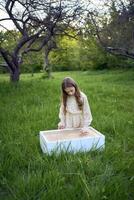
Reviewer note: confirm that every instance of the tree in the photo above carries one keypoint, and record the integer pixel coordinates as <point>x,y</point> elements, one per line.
<point>37,22</point>
<point>66,56</point>
<point>113,26</point>
<point>48,48</point>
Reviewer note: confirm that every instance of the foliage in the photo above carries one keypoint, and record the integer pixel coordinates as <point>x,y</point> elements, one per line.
<point>112,23</point>
<point>82,53</point>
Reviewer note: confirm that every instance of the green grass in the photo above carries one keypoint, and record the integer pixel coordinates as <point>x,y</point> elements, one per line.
<point>33,105</point>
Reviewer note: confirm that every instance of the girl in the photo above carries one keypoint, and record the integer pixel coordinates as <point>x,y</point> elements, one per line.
<point>74,110</point>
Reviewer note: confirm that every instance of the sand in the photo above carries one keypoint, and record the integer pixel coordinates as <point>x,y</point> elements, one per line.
<point>68,135</point>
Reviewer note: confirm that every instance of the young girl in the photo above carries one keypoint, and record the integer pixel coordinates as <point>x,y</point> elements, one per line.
<point>74,109</point>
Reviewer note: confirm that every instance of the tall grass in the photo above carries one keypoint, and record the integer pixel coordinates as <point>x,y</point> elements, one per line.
<point>33,105</point>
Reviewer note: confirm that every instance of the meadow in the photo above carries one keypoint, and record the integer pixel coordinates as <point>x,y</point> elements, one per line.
<point>33,105</point>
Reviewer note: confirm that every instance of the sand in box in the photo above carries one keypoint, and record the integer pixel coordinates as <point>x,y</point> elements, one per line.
<point>66,135</point>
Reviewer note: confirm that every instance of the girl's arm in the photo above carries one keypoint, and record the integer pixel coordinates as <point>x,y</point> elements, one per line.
<point>61,124</point>
<point>87,116</point>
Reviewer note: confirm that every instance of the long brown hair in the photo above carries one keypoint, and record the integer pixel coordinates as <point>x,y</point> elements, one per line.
<point>69,82</point>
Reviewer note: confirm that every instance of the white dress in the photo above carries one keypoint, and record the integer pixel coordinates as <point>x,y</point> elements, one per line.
<point>74,117</point>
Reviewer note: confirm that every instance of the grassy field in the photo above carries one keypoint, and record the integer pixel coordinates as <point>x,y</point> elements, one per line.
<point>33,105</point>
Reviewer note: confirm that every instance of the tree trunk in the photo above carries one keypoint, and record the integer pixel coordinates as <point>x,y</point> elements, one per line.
<point>46,66</point>
<point>49,72</point>
<point>12,65</point>
<point>15,75</point>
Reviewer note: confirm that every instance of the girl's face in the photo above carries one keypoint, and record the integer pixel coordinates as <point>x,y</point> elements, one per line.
<point>70,91</point>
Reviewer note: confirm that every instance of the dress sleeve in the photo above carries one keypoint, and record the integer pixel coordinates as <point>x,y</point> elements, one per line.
<point>87,116</point>
<point>61,115</point>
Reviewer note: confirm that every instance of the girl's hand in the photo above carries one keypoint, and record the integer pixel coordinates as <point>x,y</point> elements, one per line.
<point>84,131</point>
<point>60,126</point>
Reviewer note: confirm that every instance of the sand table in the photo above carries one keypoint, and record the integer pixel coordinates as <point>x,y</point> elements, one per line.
<point>71,140</point>
<point>65,135</point>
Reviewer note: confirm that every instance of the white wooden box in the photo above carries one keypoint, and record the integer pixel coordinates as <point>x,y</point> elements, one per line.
<point>71,140</point>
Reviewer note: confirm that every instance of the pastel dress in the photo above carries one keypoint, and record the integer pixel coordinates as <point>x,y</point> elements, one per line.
<point>74,117</point>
